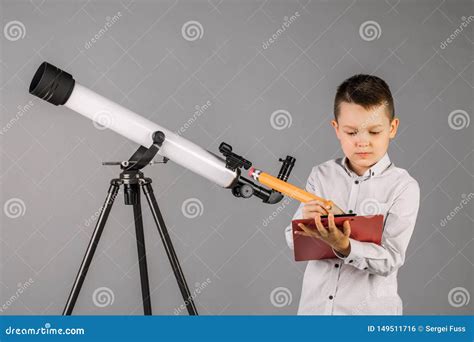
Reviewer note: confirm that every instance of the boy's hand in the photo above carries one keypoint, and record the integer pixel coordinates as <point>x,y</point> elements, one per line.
<point>331,235</point>
<point>312,208</point>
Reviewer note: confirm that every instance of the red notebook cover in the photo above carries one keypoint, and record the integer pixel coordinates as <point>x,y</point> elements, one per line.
<point>363,228</point>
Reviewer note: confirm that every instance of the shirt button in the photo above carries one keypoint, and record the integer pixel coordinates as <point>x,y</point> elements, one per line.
<point>366,268</point>
<point>331,297</point>
<point>350,261</point>
<point>336,265</point>
<point>357,182</point>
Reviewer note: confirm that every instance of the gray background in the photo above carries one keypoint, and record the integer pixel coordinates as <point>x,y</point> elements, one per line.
<point>51,157</point>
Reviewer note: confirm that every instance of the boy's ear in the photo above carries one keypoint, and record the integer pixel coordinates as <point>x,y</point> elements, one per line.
<point>336,128</point>
<point>394,127</point>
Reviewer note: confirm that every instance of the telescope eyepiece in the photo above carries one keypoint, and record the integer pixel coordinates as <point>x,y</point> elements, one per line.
<point>52,84</point>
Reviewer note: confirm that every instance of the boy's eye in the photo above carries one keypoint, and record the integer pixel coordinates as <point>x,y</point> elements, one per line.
<point>374,132</point>
<point>351,133</point>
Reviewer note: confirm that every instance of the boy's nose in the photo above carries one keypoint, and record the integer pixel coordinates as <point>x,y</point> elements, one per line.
<point>363,139</point>
<point>362,142</point>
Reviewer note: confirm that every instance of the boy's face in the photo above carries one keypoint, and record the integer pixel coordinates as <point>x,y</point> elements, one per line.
<point>364,134</point>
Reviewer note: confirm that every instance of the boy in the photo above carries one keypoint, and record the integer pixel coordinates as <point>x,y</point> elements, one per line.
<point>363,277</point>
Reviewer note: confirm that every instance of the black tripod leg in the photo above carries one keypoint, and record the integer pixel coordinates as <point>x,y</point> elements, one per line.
<point>178,272</point>
<point>137,213</point>
<point>94,241</point>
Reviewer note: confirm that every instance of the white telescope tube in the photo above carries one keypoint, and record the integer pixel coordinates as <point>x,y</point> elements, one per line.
<point>58,87</point>
<point>140,130</point>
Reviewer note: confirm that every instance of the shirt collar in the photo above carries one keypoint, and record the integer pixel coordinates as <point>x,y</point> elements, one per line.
<point>375,170</point>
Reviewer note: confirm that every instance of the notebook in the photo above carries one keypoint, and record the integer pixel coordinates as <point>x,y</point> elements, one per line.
<point>363,228</point>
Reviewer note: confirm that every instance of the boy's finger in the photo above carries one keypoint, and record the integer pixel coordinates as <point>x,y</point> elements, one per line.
<point>302,226</point>
<point>331,225</point>
<point>306,230</point>
<point>309,208</point>
<point>313,206</point>
<point>320,226</point>
<point>305,234</point>
<point>347,228</point>
<point>315,209</point>
<point>317,203</point>
<point>322,211</point>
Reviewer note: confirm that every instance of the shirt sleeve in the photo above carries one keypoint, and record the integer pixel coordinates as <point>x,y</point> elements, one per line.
<point>399,225</point>
<point>310,187</point>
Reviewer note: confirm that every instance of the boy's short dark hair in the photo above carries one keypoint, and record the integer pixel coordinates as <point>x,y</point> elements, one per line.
<point>367,91</point>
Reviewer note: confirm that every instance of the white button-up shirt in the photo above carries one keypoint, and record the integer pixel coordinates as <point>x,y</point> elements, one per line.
<point>364,282</point>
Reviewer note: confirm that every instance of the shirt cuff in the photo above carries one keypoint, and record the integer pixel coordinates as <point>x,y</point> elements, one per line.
<point>355,253</point>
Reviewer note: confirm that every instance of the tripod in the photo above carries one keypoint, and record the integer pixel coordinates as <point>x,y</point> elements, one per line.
<point>132,179</point>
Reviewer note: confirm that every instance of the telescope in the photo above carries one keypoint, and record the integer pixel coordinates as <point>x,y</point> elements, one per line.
<point>60,88</point>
